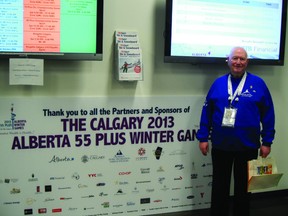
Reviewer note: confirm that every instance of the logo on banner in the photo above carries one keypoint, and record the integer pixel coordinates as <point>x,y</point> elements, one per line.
<point>178,152</point>
<point>161,180</point>
<point>119,158</point>
<point>141,153</point>
<point>179,166</point>
<point>42,211</point>
<point>119,192</point>
<point>56,159</point>
<point>105,204</point>
<point>86,158</point>
<point>13,123</point>
<point>158,152</point>
<point>75,176</point>
<point>33,178</point>
<point>28,211</point>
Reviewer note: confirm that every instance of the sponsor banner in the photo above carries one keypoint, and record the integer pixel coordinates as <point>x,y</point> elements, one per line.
<point>102,156</point>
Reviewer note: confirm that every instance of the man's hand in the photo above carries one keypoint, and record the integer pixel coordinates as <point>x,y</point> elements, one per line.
<point>264,151</point>
<point>204,147</point>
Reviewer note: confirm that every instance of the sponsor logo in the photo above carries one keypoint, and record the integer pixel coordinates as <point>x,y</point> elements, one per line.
<point>42,211</point>
<point>119,158</point>
<point>106,205</point>
<point>120,192</point>
<point>178,152</point>
<point>87,158</point>
<point>88,208</point>
<point>144,200</point>
<point>65,198</point>
<point>28,211</point>
<point>161,180</point>
<point>178,178</point>
<point>141,152</point>
<point>158,152</point>
<point>135,190</point>
<point>48,188</point>
<point>38,189</point>
<point>64,188</point>
<point>117,205</point>
<point>194,176</point>
<point>30,201</point>
<point>246,94</point>
<point>93,175</point>
<point>33,178</point>
<point>8,181</point>
<point>102,194</point>
<point>75,176</point>
<point>131,211</point>
<point>88,196</point>
<point>143,182</point>
<point>131,203</point>
<point>150,190</point>
<point>82,186</point>
<point>56,210</point>
<point>176,188</point>
<point>13,123</point>
<point>160,169</point>
<point>175,199</point>
<point>124,173</point>
<point>164,188</point>
<point>206,164</point>
<point>208,176</point>
<point>11,203</point>
<point>179,166</point>
<point>49,199</point>
<point>145,170</point>
<point>15,191</point>
<point>57,178</point>
<point>56,159</point>
<point>121,183</point>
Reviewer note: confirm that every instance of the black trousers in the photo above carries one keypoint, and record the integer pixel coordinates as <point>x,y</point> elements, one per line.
<point>223,162</point>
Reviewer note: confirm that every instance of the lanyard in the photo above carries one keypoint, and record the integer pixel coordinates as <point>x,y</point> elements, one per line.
<point>239,89</point>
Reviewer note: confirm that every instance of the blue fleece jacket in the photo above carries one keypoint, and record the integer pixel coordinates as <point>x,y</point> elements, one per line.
<point>255,119</point>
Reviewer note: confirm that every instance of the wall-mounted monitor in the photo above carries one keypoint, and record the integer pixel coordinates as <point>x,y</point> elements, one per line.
<point>51,29</point>
<point>204,31</point>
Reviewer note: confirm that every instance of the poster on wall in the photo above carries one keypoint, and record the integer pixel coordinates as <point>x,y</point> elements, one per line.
<point>80,156</point>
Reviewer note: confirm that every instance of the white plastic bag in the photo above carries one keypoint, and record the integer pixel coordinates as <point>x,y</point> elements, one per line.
<point>263,174</point>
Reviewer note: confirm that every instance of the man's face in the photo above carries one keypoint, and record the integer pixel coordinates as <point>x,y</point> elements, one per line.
<point>237,62</point>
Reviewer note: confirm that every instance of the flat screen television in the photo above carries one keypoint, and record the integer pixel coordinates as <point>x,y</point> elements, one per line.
<point>52,29</point>
<point>204,31</point>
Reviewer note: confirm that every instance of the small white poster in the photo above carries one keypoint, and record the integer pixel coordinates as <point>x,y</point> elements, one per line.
<point>26,71</point>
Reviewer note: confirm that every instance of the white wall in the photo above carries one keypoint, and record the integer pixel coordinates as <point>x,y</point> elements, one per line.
<point>90,78</point>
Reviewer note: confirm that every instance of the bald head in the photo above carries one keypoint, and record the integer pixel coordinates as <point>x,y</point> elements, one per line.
<point>237,49</point>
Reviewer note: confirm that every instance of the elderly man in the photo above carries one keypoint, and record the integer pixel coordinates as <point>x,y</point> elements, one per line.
<point>239,116</point>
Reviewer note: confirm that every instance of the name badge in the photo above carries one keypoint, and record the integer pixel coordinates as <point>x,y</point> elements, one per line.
<point>229,117</point>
